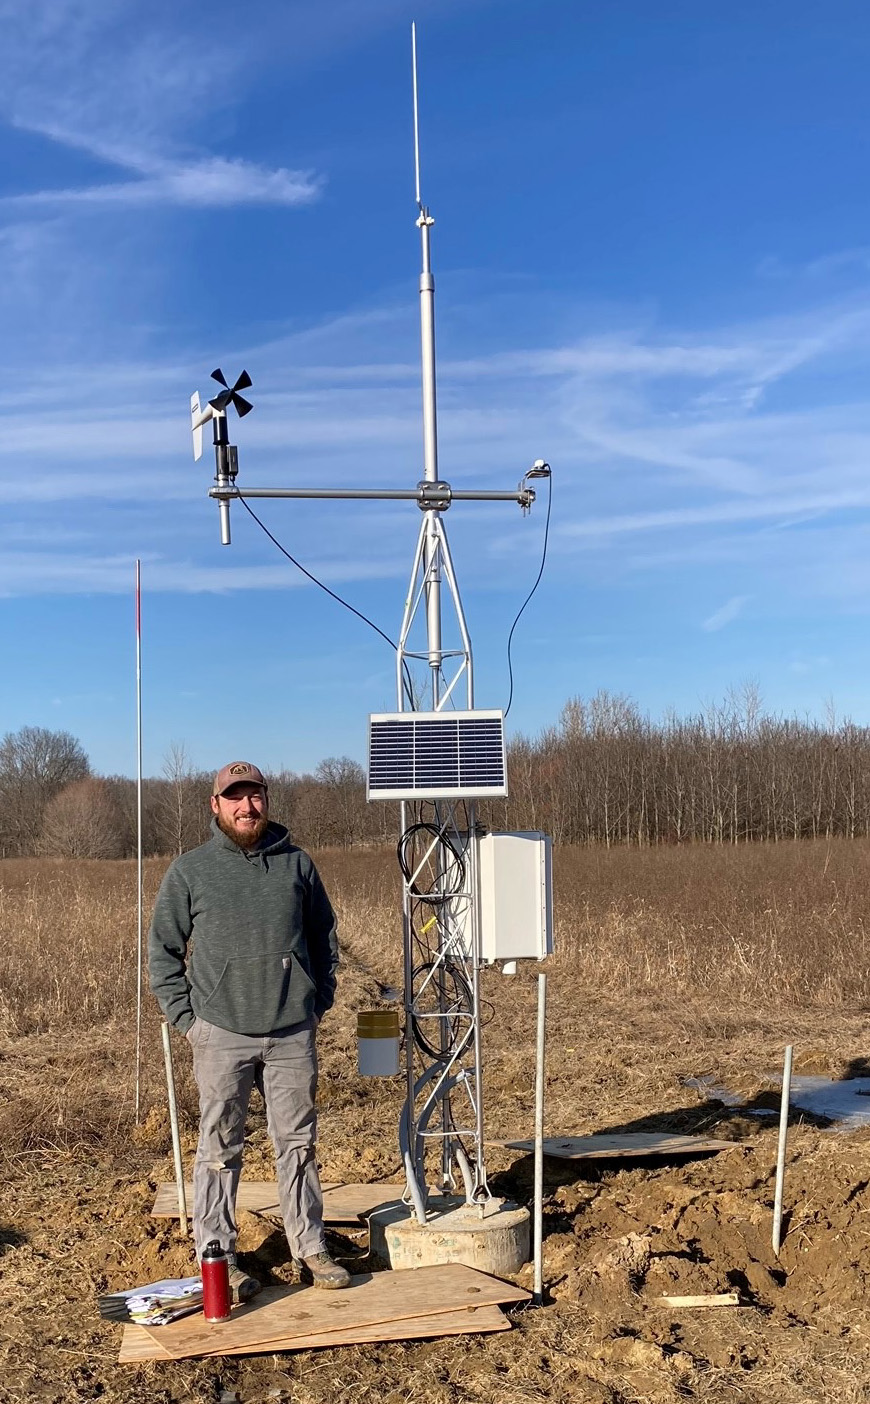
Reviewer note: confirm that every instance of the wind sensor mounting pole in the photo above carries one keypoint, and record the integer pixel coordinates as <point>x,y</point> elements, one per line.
<point>441,996</point>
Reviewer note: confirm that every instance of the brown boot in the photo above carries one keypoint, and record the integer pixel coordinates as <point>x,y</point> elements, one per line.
<point>321,1271</point>
<point>242,1286</point>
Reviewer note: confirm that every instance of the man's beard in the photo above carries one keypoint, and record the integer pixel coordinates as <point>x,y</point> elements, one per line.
<point>246,837</point>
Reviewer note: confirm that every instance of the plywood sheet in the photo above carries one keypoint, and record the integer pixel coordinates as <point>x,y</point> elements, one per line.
<point>342,1204</point>
<point>139,1344</point>
<point>706,1299</point>
<point>371,1299</point>
<point>634,1143</point>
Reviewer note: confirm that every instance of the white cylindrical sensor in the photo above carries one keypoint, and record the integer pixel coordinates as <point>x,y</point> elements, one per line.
<point>377,1042</point>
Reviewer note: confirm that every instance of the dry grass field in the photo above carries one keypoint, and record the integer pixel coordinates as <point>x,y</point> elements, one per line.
<point>671,963</point>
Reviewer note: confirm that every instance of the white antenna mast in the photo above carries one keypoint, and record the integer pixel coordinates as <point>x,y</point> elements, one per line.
<point>431,564</point>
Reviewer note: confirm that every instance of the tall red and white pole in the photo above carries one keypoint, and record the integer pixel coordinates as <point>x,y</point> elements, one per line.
<point>138,832</point>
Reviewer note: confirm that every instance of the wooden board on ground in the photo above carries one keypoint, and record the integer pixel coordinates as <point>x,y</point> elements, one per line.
<point>139,1344</point>
<point>372,1299</point>
<point>342,1204</point>
<point>610,1146</point>
<point>706,1299</point>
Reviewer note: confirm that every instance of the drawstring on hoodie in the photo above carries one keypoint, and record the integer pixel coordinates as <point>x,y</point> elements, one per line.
<point>256,857</point>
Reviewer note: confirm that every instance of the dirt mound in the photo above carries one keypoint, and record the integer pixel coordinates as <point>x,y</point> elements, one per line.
<point>616,1245</point>
<point>616,1241</point>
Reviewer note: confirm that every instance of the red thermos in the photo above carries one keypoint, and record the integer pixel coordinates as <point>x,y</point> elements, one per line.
<point>215,1283</point>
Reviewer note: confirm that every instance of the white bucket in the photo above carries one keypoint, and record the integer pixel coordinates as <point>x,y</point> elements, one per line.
<point>377,1042</point>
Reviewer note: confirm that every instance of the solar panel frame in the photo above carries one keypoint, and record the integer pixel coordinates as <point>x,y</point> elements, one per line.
<point>436,755</point>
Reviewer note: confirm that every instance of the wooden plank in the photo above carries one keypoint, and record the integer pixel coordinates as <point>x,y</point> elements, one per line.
<point>612,1146</point>
<point>342,1204</point>
<point>372,1299</point>
<point>138,1344</point>
<point>709,1299</point>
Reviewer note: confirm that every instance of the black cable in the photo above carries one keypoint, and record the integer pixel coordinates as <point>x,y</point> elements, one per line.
<point>437,806</point>
<point>455,866</point>
<point>487,1004</point>
<point>531,592</point>
<point>313,578</point>
<point>461,1006</point>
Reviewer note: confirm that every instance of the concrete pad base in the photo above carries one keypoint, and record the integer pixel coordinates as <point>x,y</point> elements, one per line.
<point>493,1237</point>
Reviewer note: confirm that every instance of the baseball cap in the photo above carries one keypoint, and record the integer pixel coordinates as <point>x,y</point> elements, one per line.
<point>237,773</point>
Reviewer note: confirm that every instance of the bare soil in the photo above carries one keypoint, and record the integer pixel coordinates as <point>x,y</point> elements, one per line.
<point>79,1181</point>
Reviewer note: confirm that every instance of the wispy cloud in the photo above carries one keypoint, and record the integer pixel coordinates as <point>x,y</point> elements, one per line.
<point>130,87</point>
<point>207,184</point>
<point>62,573</point>
<point>726,614</point>
<point>787,511</point>
<point>827,266</point>
<point>659,455</point>
<point>804,664</point>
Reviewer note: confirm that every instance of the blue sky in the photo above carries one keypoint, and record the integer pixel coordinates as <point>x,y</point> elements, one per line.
<point>652,265</point>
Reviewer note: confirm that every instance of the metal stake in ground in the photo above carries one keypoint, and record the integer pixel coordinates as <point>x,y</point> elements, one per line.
<point>538,1293</point>
<point>173,1121</point>
<point>139,897</point>
<point>780,1150</point>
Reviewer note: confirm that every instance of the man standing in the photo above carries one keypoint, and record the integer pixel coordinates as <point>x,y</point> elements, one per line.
<point>248,995</point>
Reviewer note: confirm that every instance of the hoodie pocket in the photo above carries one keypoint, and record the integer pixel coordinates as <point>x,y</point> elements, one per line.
<point>259,994</point>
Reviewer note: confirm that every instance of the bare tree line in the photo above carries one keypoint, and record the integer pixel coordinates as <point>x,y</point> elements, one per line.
<point>605,773</point>
<point>608,774</point>
<point>51,803</point>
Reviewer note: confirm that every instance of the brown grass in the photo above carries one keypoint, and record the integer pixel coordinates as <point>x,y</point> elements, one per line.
<point>785,923</point>
<point>675,945</point>
<point>669,963</point>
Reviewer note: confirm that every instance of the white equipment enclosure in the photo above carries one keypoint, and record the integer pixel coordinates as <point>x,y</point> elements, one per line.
<point>516,896</point>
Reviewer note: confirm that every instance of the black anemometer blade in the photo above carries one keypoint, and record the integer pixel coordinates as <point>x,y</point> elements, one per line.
<point>229,396</point>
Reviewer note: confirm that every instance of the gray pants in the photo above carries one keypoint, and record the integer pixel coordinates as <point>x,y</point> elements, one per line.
<point>284,1069</point>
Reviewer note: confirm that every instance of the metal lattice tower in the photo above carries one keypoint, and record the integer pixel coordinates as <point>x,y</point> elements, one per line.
<point>443,1108</point>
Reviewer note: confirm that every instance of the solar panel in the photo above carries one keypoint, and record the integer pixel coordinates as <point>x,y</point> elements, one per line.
<point>436,755</point>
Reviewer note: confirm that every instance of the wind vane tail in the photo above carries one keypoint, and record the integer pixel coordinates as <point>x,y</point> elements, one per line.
<point>196,425</point>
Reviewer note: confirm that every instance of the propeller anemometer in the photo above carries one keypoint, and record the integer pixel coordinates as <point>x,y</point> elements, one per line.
<point>216,408</point>
<point>225,453</point>
<point>230,394</point>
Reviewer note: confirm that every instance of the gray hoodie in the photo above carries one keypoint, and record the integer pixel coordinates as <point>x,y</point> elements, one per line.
<point>264,949</point>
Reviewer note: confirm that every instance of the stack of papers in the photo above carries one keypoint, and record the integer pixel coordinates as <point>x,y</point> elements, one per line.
<point>154,1304</point>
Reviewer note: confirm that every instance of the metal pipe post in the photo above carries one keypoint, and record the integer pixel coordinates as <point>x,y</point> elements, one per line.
<point>222,478</point>
<point>173,1121</point>
<point>139,896</point>
<point>780,1150</point>
<point>481,1188</point>
<point>538,1290</point>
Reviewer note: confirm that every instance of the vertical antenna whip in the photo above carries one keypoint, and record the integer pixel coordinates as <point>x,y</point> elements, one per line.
<point>416,115</point>
<point>427,303</point>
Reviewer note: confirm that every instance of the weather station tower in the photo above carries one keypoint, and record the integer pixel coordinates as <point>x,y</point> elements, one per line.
<point>469,898</point>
